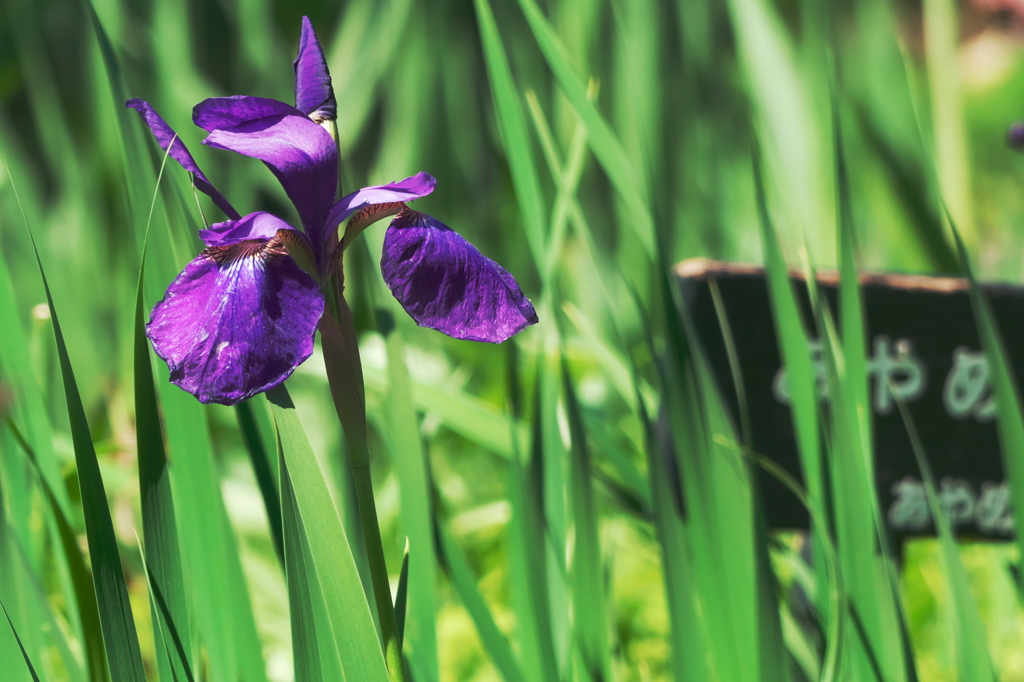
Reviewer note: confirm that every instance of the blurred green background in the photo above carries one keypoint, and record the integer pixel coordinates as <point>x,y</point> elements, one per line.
<point>627,144</point>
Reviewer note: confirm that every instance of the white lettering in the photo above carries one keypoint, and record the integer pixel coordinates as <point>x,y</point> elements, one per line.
<point>967,392</point>
<point>896,371</point>
<point>990,511</point>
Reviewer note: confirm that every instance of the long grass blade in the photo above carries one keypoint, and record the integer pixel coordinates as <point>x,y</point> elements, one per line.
<point>973,658</point>
<point>402,594</point>
<point>24,654</point>
<point>692,635</point>
<point>590,610</point>
<point>220,602</point>
<point>623,174</point>
<point>162,555</point>
<point>52,624</point>
<point>9,646</point>
<point>461,576</point>
<point>403,436</point>
<point>1009,419</point>
<point>801,383</point>
<point>119,634</point>
<point>783,100</point>
<point>255,428</point>
<point>306,652</point>
<point>793,342</point>
<point>81,578</point>
<point>952,151</point>
<point>355,634</point>
<point>853,386</point>
<point>467,415</point>
<point>129,136</point>
<point>124,656</point>
<point>512,123</point>
<point>528,574</point>
<point>29,408</point>
<point>831,660</point>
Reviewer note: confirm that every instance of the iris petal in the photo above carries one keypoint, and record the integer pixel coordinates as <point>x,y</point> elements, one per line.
<point>300,153</point>
<point>413,187</point>
<point>166,137</point>
<point>236,322</point>
<point>314,94</point>
<point>259,225</point>
<point>216,113</point>
<point>445,283</point>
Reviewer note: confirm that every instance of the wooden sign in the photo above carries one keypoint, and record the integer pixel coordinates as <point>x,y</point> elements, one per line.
<point>922,344</point>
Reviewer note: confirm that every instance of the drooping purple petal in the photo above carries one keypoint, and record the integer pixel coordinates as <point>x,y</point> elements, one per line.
<point>300,153</point>
<point>314,94</point>
<point>166,137</point>
<point>413,187</point>
<point>445,283</point>
<point>259,225</point>
<point>216,113</point>
<point>236,322</point>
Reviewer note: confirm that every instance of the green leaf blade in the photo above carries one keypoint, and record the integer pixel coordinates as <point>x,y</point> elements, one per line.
<point>119,634</point>
<point>355,634</point>
<point>160,530</point>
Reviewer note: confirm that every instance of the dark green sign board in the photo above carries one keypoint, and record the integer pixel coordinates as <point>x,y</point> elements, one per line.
<point>922,344</point>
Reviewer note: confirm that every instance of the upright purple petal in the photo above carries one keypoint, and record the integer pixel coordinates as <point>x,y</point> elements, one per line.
<point>444,283</point>
<point>314,95</point>
<point>227,112</point>
<point>259,225</point>
<point>166,137</point>
<point>300,153</point>
<point>413,187</point>
<point>236,322</point>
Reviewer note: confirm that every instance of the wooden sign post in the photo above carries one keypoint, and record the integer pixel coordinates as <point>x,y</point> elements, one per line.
<point>922,344</point>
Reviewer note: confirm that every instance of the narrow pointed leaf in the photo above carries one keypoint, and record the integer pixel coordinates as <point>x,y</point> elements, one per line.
<point>255,427</point>
<point>588,575</point>
<point>24,654</point>
<point>402,594</point>
<point>495,642</point>
<point>119,635</point>
<point>163,553</point>
<point>1004,386</point>
<point>81,580</point>
<point>973,658</point>
<point>512,123</point>
<point>624,176</point>
<point>355,634</point>
<point>306,653</point>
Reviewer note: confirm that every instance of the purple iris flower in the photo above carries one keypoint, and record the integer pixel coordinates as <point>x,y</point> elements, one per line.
<point>242,315</point>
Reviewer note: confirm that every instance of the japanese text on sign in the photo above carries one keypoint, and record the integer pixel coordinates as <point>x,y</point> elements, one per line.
<point>989,510</point>
<point>896,372</point>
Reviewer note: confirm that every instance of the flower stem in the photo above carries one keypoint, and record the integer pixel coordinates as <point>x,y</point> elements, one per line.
<point>345,375</point>
<point>344,372</point>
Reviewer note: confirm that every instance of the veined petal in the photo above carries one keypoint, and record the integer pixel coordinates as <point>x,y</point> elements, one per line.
<point>413,187</point>
<point>236,322</point>
<point>259,225</point>
<point>216,113</point>
<point>445,283</point>
<point>166,137</point>
<point>314,95</point>
<point>300,153</point>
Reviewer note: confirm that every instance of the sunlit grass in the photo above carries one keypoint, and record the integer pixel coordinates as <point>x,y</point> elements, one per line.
<point>587,146</point>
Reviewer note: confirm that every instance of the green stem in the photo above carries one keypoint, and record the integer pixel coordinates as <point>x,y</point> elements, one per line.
<point>345,375</point>
<point>344,372</point>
